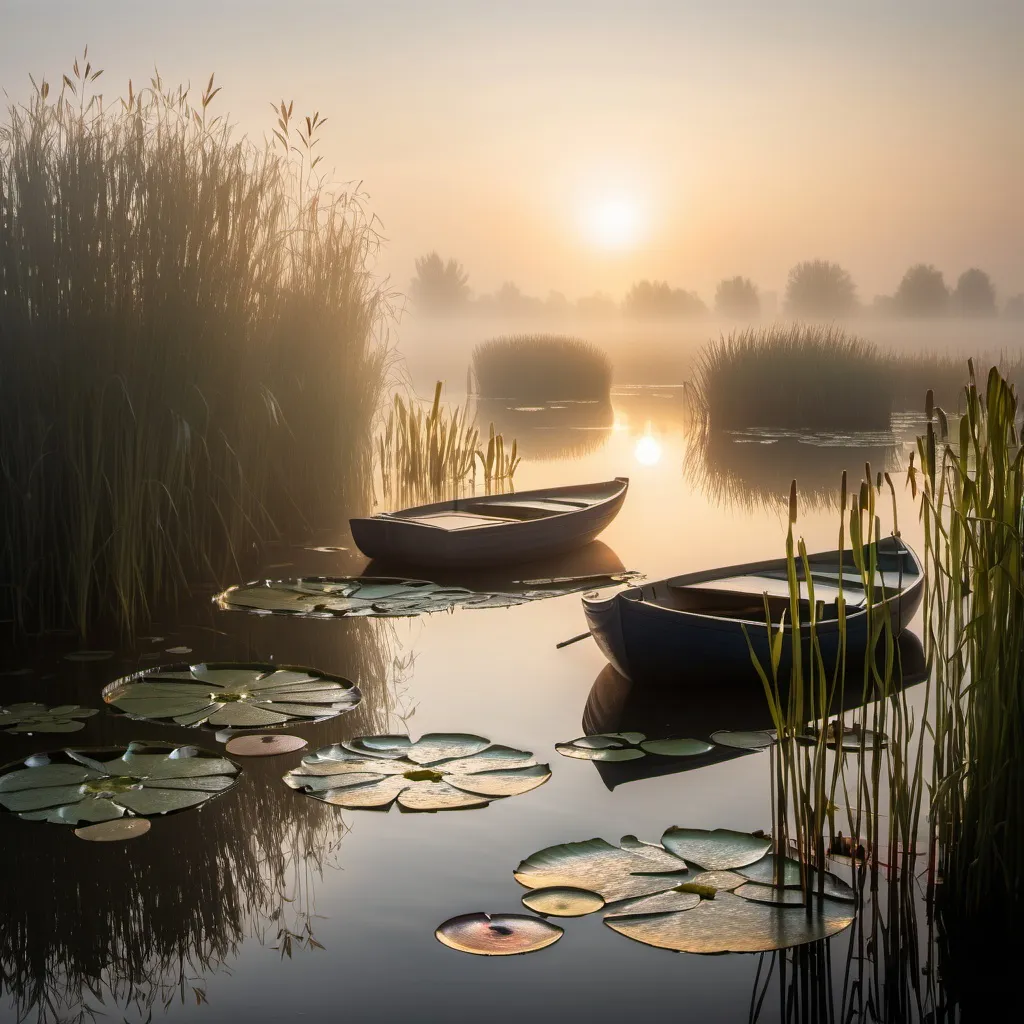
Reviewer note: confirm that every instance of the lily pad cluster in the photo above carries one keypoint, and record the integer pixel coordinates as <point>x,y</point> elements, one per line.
<point>438,772</point>
<point>69,787</point>
<point>347,596</point>
<point>31,717</point>
<point>229,695</point>
<point>628,746</point>
<point>698,891</point>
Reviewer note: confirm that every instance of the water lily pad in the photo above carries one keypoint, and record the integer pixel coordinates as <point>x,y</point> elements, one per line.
<point>265,744</point>
<point>721,849</point>
<point>628,746</point>
<point>772,869</point>
<point>497,934</point>
<point>770,894</point>
<point>613,872</point>
<point>563,901</point>
<point>238,696</point>
<point>344,596</point>
<point>179,650</point>
<point>676,748</point>
<point>754,739</point>
<point>72,786</point>
<point>31,718</point>
<point>731,924</point>
<point>439,772</point>
<point>114,831</point>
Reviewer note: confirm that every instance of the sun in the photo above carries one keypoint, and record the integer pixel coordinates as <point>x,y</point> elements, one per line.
<point>613,222</point>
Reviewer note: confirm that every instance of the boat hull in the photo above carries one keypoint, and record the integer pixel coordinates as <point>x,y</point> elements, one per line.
<point>396,540</point>
<point>649,643</point>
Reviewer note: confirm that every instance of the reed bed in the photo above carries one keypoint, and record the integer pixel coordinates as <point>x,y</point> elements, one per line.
<point>541,368</point>
<point>192,346</point>
<point>433,455</point>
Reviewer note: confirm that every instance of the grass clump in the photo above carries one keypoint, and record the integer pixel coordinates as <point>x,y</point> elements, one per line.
<point>799,376</point>
<point>542,368</point>
<point>432,455</point>
<point>192,346</point>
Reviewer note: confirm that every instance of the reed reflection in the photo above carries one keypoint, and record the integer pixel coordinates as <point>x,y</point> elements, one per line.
<point>553,430</point>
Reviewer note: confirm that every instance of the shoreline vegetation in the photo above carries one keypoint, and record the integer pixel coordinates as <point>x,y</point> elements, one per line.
<point>193,346</point>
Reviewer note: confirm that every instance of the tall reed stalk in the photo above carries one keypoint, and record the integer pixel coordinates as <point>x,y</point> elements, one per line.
<point>192,346</point>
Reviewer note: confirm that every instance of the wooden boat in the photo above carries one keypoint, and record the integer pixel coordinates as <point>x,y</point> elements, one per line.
<point>698,624</point>
<point>492,529</point>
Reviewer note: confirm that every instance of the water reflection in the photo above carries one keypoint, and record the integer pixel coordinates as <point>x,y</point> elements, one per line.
<point>556,430</point>
<point>703,707</point>
<point>753,469</point>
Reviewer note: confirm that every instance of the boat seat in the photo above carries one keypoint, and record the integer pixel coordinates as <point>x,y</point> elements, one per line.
<point>518,510</point>
<point>456,520</point>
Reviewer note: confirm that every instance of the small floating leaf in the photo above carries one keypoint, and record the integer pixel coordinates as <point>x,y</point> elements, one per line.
<point>752,740</point>
<point>179,650</point>
<point>563,901</point>
<point>497,934</point>
<point>117,830</point>
<point>770,894</point>
<point>31,718</point>
<point>721,849</point>
<point>264,744</point>
<point>599,753</point>
<point>676,748</point>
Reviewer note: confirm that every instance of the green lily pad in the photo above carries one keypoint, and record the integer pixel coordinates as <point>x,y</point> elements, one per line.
<point>754,739</point>
<point>31,718</point>
<point>117,831</point>
<point>439,772</point>
<point>772,869</point>
<point>731,924</point>
<point>563,901</point>
<point>72,786</point>
<point>343,596</point>
<point>718,850</point>
<point>231,695</point>
<point>770,894</point>
<point>497,934</point>
<point>628,746</point>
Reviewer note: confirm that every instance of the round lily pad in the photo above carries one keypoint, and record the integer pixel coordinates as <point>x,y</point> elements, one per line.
<point>32,718</point>
<point>114,831</point>
<point>770,894</point>
<point>497,934</point>
<point>439,772</point>
<point>676,747</point>
<point>232,695</point>
<point>563,901</point>
<point>721,849</point>
<point>264,744</point>
<point>754,739</point>
<point>96,785</point>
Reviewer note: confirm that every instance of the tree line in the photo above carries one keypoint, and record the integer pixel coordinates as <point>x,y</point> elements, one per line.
<point>817,289</point>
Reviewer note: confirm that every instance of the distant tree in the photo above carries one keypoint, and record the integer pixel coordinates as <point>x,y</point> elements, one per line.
<point>821,290</point>
<point>509,301</point>
<point>738,297</point>
<point>597,306</point>
<point>1015,307</point>
<point>652,299</point>
<point>439,287</point>
<point>922,292</point>
<point>883,305</point>
<point>557,304</point>
<point>974,294</point>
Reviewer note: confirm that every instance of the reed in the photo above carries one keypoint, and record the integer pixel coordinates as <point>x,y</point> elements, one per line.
<point>433,454</point>
<point>541,368</point>
<point>192,346</point>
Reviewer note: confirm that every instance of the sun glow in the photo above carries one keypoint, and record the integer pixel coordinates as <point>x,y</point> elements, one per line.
<point>648,449</point>
<point>613,222</point>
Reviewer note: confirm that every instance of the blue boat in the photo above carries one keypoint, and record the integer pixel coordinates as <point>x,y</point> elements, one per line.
<point>678,629</point>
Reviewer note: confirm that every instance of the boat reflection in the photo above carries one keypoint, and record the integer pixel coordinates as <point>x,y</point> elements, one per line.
<point>707,706</point>
<point>753,469</point>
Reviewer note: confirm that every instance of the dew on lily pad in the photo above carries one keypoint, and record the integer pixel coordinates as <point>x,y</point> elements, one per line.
<point>497,934</point>
<point>563,901</point>
<point>70,786</point>
<point>628,746</point>
<point>754,739</point>
<point>439,772</point>
<point>31,718</point>
<point>114,831</point>
<point>237,696</point>
<point>264,744</point>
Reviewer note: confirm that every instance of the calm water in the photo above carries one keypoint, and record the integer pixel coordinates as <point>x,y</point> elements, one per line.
<point>190,915</point>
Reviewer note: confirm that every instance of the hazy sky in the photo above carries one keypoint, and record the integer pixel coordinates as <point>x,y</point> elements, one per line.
<point>578,146</point>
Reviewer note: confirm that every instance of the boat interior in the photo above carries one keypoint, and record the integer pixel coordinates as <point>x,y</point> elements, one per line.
<point>745,596</point>
<point>499,509</point>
